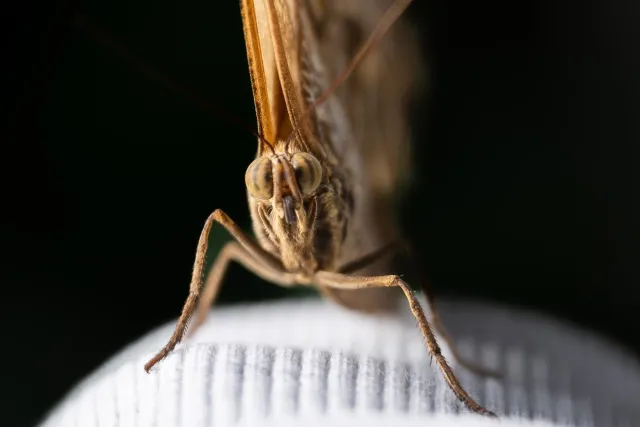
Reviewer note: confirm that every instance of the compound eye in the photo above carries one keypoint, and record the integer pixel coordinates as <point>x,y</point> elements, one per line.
<point>259,178</point>
<point>308,172</point>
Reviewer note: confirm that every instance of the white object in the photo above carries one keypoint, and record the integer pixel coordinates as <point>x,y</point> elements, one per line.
<point>307,362</point>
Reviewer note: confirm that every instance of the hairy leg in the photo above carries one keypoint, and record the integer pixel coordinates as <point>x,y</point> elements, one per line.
<point>245,251</point>
<point>232,251</point>
<point>388,250</point>
<point>341,281</point>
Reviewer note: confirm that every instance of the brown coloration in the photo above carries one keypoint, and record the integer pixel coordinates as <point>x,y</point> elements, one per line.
<point>259,179</point>
<point>389,250</point>
<point>308,172</point>
<point>308,227</point>
<point>342,281</point>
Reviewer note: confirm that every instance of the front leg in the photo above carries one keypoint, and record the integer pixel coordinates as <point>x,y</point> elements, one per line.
<point>404,246</point>
<point>342,281</point>
<point>244,250</point>
<point>232,251</point>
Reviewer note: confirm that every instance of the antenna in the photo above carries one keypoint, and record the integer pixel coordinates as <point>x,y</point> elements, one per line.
<point>388,19</point>
<point>145,68</point>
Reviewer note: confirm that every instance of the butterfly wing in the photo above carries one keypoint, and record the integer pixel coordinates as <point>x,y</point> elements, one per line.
<point>375,103</point>
<point>287,75</point>
<point>267,94</point>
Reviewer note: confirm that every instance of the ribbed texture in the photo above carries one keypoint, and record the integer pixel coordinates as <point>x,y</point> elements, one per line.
<point>249,369</point>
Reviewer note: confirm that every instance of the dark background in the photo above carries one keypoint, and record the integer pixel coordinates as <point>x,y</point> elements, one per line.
<point>526,190</point>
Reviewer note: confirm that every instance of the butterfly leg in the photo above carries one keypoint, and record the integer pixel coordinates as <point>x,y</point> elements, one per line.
<point>388,250</point>
<point>341,281</point>
<point>244,250</point>
<point>354,266</point>
<point>437,323</point>
<point>370,258</point>
<point>232,251</point>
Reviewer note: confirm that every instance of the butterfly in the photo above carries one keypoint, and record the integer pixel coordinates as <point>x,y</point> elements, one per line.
<point>332,156</point>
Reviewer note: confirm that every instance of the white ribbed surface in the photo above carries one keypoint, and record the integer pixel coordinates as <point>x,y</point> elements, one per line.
<point>325,365</point>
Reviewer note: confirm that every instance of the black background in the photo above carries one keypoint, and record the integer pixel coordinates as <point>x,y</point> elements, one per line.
<point>526,190</point>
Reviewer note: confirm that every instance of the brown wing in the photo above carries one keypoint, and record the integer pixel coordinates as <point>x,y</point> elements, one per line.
<point>378,95</point>
<point>376,100</point>
<point>267,94</point>
<point>287,72</point>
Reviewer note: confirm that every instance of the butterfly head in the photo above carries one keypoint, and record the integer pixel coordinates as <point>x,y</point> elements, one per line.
<point>286,182</point>
<point>284,192</point>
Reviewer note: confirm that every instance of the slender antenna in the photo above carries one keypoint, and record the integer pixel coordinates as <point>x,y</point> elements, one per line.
<point>123,53</point>
<point>388,19</point>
